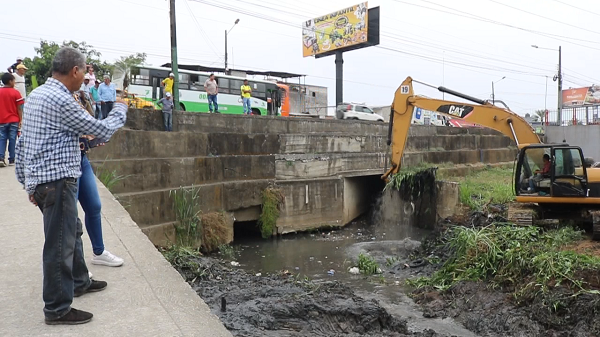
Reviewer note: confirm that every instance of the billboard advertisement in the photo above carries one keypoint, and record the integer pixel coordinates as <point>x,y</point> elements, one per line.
<point>337,30</point>
<point>581,96</point>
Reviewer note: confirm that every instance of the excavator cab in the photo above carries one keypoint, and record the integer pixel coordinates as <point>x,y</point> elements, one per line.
<point>567,176</point>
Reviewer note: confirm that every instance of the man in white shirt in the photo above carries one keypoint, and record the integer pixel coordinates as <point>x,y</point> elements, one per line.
<point>20,79</point>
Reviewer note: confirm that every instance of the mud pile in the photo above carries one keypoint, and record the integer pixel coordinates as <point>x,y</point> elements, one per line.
<point>282,305</point>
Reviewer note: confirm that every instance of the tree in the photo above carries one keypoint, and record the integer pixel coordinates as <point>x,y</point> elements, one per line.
<point>40,66</point>
<point>541,114</point>
<point>125,63</point>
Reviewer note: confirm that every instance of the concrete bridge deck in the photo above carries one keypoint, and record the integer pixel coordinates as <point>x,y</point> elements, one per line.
<point>145,297</point>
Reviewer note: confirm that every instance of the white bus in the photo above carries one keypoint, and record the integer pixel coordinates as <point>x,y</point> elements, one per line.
<point>268,98</point>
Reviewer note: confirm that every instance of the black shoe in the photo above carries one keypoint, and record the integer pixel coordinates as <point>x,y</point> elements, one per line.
<point>11,162</point>
<point>95,286</point>
<point>73,317</point>
<point>217,112</point>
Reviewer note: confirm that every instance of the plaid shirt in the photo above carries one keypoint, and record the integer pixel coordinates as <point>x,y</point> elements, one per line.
<point>48,149</point>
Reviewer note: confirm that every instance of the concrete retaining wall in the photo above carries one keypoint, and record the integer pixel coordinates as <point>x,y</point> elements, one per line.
<point>325,168</point>
<point>585,136</point>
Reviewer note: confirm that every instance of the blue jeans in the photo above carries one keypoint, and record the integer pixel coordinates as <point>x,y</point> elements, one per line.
<point>63,263</point>
<point>87,194</point>
<point>247,106</point>
<point>212,99</point>
<point>98,110</point>
<point>8,133</point>
<point>168,121</point>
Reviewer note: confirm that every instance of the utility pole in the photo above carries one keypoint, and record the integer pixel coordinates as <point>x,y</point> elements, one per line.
<point>493,96</point>
<point>225,69</point>
<point>174,66</point>
<point>339,77</point>
<point>559,110</point>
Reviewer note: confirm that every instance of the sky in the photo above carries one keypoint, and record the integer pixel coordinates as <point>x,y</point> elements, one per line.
<point>464,45</point>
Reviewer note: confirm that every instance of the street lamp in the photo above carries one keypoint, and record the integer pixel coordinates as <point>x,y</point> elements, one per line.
<point>493,95</point>
<point>227,33</point>
<point>559,79</point>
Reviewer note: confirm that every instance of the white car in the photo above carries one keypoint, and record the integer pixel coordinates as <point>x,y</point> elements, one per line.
<point>357,112</point>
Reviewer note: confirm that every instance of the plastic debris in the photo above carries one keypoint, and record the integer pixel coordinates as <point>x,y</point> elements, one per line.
<point>235,264</point>
<point>331,272</point>
<point>354,271</point>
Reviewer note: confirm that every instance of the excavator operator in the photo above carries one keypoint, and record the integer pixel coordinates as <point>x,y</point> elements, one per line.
<point>543,173</point>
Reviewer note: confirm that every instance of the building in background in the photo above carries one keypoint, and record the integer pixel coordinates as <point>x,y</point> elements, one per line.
<point>308,99</point>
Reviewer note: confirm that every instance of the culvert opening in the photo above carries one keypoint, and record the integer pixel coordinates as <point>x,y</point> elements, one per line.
<point>243,230</point>
<point>361,194</point>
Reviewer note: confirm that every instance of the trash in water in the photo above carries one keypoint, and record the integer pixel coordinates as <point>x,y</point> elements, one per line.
<point>235,264</point>
<point>354,271</point>
<point>297,268</point>
<point>258,274</point>
<point>331,272</point>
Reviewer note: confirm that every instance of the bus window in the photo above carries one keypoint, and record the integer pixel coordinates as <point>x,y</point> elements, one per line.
<point>197,82</point>
<point>184,81</point>
<point>259,89</point>
<point>235,86</point>
<point>140,76</point>
<point>223,84</point>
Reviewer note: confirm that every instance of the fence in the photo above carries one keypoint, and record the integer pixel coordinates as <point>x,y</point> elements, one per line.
<point>580,115</point>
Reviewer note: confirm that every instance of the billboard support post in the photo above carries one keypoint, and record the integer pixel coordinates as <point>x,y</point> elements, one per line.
<point>339,77</point>
<point>559,87</point>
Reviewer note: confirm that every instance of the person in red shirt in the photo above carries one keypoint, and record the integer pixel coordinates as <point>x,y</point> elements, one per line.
<point>545,171</point>
<point>11,115</point>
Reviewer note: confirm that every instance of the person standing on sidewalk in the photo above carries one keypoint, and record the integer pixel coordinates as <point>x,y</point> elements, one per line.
<point>246,98</point>
<point>89,198</point>
<point>96,104</point>
<point>20,80</point>
<point>212,89</point>
<point>11,115</point>
<point>108,95</point>
<point>48,166</point>
<point>166,103</point>
<point>91,75</point>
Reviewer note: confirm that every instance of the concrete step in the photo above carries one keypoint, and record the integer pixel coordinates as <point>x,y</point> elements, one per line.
<point>453,142</point>
<point>303,166</point>
<point>489,156</point>
<point>165,173</point>
<point>156,206</point>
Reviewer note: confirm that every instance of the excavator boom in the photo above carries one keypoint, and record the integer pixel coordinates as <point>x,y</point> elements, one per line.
<point>482,112</point>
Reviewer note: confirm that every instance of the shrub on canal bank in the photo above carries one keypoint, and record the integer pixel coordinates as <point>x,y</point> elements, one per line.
<point>272,198</point>
<point>492,184</point>
<point>527,260</point>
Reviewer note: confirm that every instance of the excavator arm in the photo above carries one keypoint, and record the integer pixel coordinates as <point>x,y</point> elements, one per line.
<point>482,112</point>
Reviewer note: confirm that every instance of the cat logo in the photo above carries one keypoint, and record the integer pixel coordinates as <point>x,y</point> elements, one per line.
<point>459,111</point>
<point>456,111</point>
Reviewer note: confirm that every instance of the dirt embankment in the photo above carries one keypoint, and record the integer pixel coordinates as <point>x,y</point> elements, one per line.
<point>282,305</point>
<point>490,309</point>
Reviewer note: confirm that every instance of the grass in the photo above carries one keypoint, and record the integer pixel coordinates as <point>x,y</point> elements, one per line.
<point>215,231</point>
<point>481,187</point>
<point>367,265</point>
<point>227,251</point>
<point>272,198</point>
<point>406,173</point>
<point>527,260</point>
<point>107,177</point>
<point>188,227</point>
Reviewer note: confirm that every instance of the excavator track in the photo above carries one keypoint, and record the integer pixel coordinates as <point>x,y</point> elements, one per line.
<point>522,214</point>
<point>595,225</point>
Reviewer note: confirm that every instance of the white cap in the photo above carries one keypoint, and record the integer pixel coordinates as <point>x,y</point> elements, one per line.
<point>86,77</point>
<point>171,74</point>
<point>20,58</point>
<point>168,94</point>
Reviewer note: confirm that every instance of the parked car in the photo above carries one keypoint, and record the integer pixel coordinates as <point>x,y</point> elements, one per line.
<point>357,112</point>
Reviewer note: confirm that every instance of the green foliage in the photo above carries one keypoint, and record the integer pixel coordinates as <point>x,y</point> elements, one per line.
<point>525,259</point>
<point>367,265</point>
<point>188,228</point>
<point>272,199</point>
<point>480,187</point>
<point>107,177</point>
<point>406,173</point>
<point>227,251</point>
<point>180,256</point>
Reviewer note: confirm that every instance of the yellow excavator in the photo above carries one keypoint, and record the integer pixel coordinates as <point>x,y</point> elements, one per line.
<point>551,181</point>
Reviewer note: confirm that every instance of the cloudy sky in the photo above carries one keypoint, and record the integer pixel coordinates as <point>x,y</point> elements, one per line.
<point>464,45</point>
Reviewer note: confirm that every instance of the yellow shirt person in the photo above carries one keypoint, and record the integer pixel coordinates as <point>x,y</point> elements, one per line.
<point>246,92</point>
<point>168,83</point>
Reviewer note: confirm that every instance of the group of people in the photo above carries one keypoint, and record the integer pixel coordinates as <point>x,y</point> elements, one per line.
<point>212,91</point>
<point>101,96</point>
<point>51,163</point>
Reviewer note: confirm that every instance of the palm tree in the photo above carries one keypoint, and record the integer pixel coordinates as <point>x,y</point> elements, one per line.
<point>124,65</point>
<point>541,114</point>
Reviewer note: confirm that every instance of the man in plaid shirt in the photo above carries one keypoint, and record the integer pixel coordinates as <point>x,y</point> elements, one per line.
<point>48,166</point>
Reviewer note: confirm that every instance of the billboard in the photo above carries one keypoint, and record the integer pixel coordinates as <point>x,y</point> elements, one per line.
<point>581,96</point>
<point>335,31</point>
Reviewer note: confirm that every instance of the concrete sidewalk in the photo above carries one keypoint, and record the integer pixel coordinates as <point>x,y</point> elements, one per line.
<point>145,297</point>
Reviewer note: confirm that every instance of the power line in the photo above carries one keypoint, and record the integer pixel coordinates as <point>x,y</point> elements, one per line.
<point>202,32</point>
<point>543,17</point>
<point>573,6</point>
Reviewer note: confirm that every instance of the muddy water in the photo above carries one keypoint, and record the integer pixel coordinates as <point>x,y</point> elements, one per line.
<point>327,256</point>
